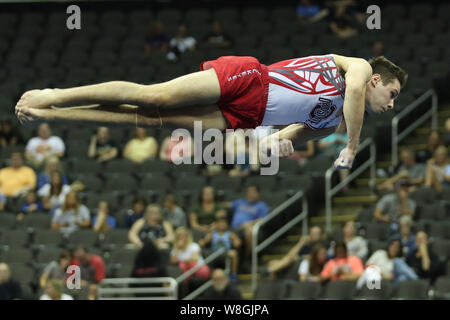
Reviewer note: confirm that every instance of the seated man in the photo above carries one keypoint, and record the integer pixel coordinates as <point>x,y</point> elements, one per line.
<point>247,212</point>
<point>9,288</point>
<point>409,169</point>
<point>394,205</point>
<point>39,148</point>
<point>221,288</point>
<point>17,179</point>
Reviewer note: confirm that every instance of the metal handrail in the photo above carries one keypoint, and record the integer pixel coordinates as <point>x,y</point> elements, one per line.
<point>398,137</point>
<point>257,248</point>
<point>173,288</point>
<point>330,192</point>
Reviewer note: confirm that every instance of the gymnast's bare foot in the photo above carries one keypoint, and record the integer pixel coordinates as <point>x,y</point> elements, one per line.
<point>38,99</point>
<point>32,115</point>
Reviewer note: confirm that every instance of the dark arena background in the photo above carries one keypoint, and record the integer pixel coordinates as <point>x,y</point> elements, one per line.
<point>97,213</point>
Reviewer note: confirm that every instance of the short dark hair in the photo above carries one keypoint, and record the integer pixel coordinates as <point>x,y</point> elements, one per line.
<point>140,199</point>
<point>253,186</point>
<point>388,70</point>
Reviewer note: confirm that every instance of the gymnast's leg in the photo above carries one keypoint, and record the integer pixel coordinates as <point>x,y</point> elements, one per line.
<point>195,88</point>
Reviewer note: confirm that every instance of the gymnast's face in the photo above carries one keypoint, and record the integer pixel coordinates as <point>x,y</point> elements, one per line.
<point>379,96</point>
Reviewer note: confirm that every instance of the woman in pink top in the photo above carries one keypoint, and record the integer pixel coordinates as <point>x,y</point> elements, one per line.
<point>342,267</point>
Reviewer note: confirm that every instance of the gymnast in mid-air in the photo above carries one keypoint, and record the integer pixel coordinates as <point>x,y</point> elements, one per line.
<point>311,97</point>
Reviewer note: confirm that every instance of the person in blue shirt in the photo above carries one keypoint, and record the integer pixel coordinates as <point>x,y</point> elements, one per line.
<point>32,204</point>
<point>103,222</point>
<point>136,213</point>
<point>222,237</point>
<point>246,212</point>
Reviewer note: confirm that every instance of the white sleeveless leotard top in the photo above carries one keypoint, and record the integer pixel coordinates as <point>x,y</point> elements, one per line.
<point>307,90</point>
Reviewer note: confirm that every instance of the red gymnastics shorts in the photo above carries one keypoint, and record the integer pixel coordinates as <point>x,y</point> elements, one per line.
<point>244,87</point>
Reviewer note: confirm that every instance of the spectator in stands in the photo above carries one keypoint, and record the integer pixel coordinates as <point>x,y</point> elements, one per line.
<point>331,146</point>
<point>149,263</point>
<point>304,152</point>
<point>53,194</point>
<point>434,141</point>
<point>222,237</point>
<point>54,291</point>
<point>152,228</point>
<point>180,43</point>
<point>141,147</point>
<point>309,11</point>
<point>341,20</point>
<point>102,148</point>
<point>356,245</point>
<point>247,212</point>
<point>135,213</point>
<point>425,263</point>
<point>9,136</point>
<point>56,270</point>
<point>103,222</point>
<point>156,39</point>
<point>39,148</point>
<point>32,204</point>
<point>71,216</point>
<point>409,169</point>
<point>407,238</point>
<point>187,254</point>
<point>218,38</point>
<point>51,164</point>
<point>301,249</point>
<point>17,179</point>
<point>221,288</point>
<point>446,136</point>
<point>342,266</point>
<point>203,214</point>
<point>311,266</point>
<point>388,265</point>
<point>392,206</point>
<point>3,201</point>
<point>438,170</point>
<point>92,269</point>
<point>9,288</point>
<point>172,212</point>
<point>239,146</point>
<point>169,148</point>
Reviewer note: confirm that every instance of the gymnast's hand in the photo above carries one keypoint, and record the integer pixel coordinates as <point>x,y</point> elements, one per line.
<point>345,159</point>
<point>283,148</point>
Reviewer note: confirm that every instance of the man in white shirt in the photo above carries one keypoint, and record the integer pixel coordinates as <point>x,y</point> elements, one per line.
<point>43,146</point>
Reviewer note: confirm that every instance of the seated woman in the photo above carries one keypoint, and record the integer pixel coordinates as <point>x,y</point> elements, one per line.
<point>438,170</point>
<point>52,164</point>
<point>388,264</point>
<point>152,228</point>
<point>71,216</point>
<point>312,265</point>
<point>53,194</point>
<point>342,266</point>
<point>187,254</point>
<point>203,214</point>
